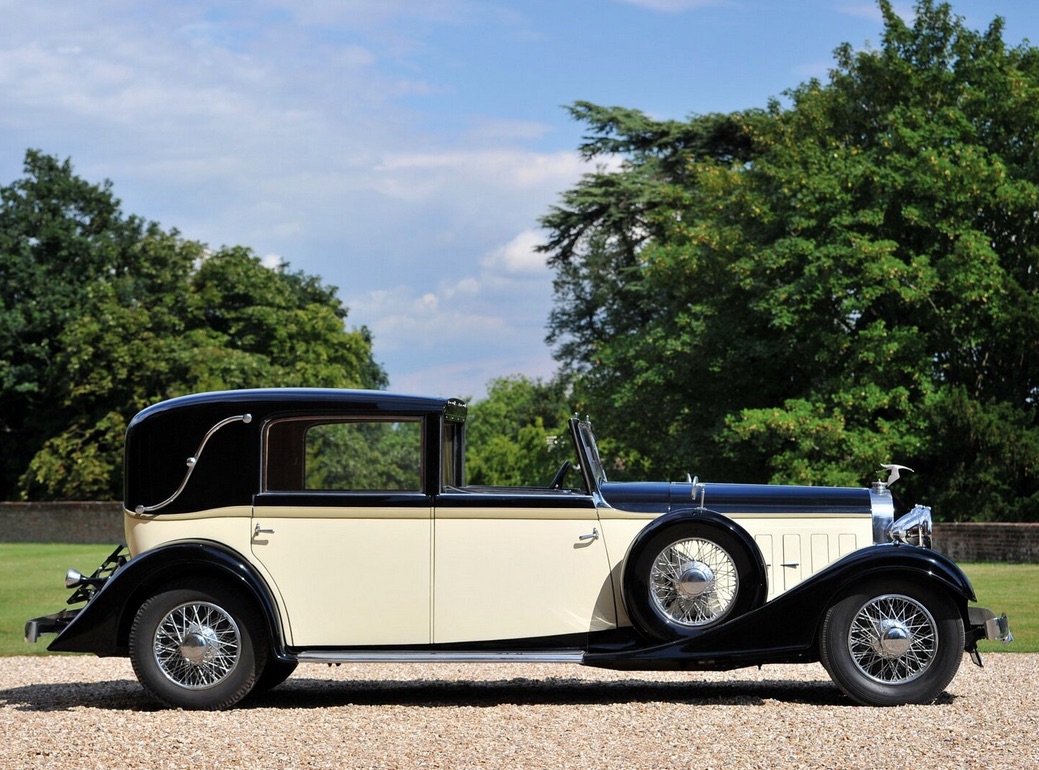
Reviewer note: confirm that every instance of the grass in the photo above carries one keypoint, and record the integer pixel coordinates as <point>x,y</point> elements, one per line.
<point>1013,589</point>
<point>32,575</point>
<point>32,583</point>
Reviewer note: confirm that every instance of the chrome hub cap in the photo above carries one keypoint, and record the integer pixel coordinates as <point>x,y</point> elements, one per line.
<point>893,639</point>
<point>197,645</point>
<point>695,578</point>
<point>693,582</point>
<point>200,646</point>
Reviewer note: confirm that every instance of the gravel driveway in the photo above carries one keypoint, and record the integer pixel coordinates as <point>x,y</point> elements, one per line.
<point>77,712</point>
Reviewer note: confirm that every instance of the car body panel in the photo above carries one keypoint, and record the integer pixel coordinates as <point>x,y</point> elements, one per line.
<point>508,578</point>
<point>384,556</point>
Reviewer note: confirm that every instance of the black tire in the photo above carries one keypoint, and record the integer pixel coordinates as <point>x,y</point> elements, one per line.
<point>198,648</point>
<point>892,642</point>
<point>688,578</point>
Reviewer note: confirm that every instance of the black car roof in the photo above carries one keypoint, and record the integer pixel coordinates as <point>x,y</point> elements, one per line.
<point>276,399</point>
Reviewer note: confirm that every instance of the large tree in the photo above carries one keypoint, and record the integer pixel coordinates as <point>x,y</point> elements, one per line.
<point>802,292</point>
<point>103,313</point>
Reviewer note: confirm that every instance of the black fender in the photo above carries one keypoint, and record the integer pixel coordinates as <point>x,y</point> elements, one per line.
<point>102,626</point>
<point>786,629</point>
<point>755,583</point>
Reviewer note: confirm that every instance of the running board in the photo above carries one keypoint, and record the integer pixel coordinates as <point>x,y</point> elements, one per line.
<point>446,656</point>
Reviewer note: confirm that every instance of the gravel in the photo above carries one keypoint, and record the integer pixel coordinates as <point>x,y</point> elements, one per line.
<point>83,712</point>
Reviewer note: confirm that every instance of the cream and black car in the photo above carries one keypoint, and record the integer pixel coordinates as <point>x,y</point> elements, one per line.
<point>267,528</point>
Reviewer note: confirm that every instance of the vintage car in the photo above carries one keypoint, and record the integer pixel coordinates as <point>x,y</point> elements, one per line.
<point>330,526</point>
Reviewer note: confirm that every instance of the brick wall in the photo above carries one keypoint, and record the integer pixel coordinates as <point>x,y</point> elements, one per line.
<point>103,523</point>
<point>61,522</point>
<point>988,542</point>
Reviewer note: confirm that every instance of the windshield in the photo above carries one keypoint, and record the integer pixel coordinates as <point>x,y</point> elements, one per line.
<point>589,452</point>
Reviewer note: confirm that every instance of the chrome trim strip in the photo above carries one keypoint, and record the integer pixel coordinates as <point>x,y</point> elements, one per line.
<point>191,461</point>
<point>452,656</point>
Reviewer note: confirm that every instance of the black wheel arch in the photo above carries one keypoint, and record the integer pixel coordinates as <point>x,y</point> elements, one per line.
<point>103,626</point>
<point>896,561</point>
<point>710,521</point>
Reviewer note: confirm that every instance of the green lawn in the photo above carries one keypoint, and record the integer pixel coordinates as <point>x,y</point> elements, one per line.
<point>1013,589</point>
<point>32,579</point>
<point>32,574</point>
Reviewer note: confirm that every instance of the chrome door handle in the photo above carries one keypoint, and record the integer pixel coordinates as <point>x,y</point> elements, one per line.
<point>593,535</point>
<point>259,530</point>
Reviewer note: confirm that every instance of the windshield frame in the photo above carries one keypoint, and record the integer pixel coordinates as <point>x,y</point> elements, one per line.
<point>588,454</point>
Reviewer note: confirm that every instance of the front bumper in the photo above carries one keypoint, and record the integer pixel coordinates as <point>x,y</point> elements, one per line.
<point>982,623</point>
<point>988,626</point>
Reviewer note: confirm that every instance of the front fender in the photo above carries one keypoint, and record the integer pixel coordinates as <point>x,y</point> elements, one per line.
<point>786,629</point>
<point>102,626</point>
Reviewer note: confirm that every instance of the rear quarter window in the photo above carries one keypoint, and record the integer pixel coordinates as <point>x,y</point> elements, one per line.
<point>337,455</point>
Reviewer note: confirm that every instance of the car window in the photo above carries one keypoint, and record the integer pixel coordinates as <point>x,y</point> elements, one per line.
<point>344,455</point>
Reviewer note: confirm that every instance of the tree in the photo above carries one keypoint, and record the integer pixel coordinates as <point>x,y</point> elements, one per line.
<point>102,314</point>
<point>517,435</point>
<point>856,285</point>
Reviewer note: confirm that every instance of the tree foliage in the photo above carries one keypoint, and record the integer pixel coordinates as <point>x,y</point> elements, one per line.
<point>102,314</point>
<point>517,435</point>
<point>800,293</point>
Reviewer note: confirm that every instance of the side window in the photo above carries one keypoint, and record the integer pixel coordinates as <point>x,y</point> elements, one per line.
<point>355,455</point>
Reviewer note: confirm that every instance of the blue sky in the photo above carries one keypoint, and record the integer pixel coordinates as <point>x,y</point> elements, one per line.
<point>403,150</point>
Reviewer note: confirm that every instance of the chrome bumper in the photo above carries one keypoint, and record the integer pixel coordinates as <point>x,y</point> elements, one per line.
<point>995,628</point>
<point>983,624</point>
<point>999,628</point>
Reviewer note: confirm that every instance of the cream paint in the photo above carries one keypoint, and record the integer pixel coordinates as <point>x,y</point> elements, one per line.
<point>362,577</point>
<point>229,526</point>
<point>359,577</point>
<point>514,578</point>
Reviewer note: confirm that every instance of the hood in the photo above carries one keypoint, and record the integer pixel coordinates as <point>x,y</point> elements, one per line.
<point>662,496</point>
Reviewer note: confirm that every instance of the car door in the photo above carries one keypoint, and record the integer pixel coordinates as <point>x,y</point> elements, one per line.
<point>343,529</point>
<point>515,564</point>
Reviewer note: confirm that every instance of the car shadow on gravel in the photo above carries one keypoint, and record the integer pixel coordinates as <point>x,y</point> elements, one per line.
<point>304,693</point>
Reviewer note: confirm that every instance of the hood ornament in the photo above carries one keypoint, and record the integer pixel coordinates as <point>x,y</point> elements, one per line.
<point>894,471</point>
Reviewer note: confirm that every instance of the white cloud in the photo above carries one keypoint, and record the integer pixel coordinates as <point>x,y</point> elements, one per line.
<point>519,256</point>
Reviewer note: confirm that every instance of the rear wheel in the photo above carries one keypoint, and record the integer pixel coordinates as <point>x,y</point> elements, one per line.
<point>892,642</point>
<point>198,648</point>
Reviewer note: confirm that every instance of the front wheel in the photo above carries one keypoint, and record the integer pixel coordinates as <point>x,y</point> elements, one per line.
<point>892,642</point>
<point>198,648</point>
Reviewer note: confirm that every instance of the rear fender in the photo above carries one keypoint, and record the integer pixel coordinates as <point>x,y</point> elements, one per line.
<point>102,626</point>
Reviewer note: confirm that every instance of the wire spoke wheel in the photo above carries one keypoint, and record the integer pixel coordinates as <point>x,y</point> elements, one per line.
<point>694,582</point>
<point>893,639</point>
<point>197,645</point>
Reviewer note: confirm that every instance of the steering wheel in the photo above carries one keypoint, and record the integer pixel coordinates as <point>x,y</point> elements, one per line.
<point>557,480</point>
